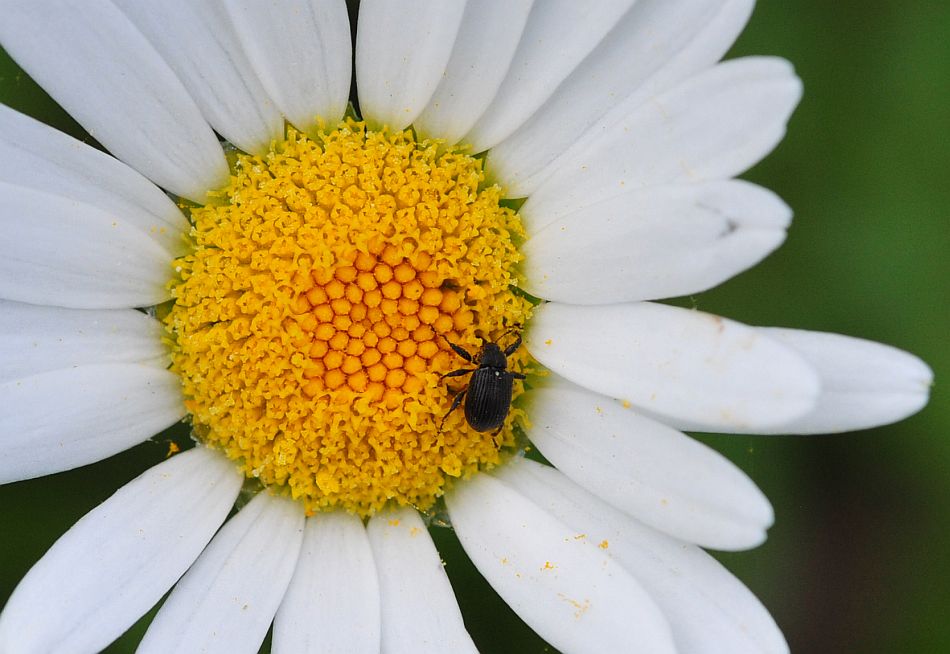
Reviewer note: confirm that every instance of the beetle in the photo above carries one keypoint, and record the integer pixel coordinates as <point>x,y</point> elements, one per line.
<point>488,394</point>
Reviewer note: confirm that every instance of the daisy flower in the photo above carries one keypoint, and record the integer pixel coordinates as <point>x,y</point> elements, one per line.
<point>298,278</point>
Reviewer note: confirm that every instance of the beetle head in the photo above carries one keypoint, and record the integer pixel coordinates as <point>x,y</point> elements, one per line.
<point>491,356</point>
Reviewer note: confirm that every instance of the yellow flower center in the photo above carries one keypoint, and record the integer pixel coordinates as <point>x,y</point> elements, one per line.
<point>311,321</point>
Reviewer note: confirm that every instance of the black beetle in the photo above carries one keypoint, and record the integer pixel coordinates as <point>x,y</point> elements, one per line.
<point>488,394</point>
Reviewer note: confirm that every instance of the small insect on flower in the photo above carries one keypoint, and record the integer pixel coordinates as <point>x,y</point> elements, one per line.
<point>488,394</point>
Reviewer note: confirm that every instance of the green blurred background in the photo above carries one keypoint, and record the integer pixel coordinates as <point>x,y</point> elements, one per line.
<point>859,558</point>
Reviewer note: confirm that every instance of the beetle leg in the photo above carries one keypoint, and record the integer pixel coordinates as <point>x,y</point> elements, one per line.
<point>494,437</point>
<point>459,350</point>
<point>518,375</point>
<point>513,347</point>
<point>457,373</point>
<point>455,404</point>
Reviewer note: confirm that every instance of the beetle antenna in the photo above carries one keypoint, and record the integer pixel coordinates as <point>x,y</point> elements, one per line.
<point>510,329</point>
<point>459,350</point>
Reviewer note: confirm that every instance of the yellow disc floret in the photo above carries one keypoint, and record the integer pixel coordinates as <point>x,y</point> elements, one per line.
<point>310,322</point>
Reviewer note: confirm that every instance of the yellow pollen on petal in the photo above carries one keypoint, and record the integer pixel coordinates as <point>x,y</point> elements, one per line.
<point>311,321</point>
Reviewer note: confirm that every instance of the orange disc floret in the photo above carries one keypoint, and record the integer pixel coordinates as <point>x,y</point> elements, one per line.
<point>310,320</point>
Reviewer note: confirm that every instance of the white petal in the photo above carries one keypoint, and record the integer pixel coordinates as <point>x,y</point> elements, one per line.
<point>648,470</point>
<point>332,603</point>
<point>419,610</point>
<point>559,34</point>
<point>226,601</point>
<point>402,50</point>
<point>117,561</point>
<point>709,610</point>
<point>301,52</point>
<point>572,593</point>
<point>35,339</point>
<point>863,384</point>
<point>67,253</point>
<point>713,126</point>
<point>659,242</point>
<point>37,156</point>
<point>68,418</point>
<point>675,362</point>
<point>657,44</point>
<point>474,71</point>
<point>198,41</point>
<point>100,68</point>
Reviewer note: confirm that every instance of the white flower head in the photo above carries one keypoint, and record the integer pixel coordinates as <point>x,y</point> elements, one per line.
<point>488,231</point>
